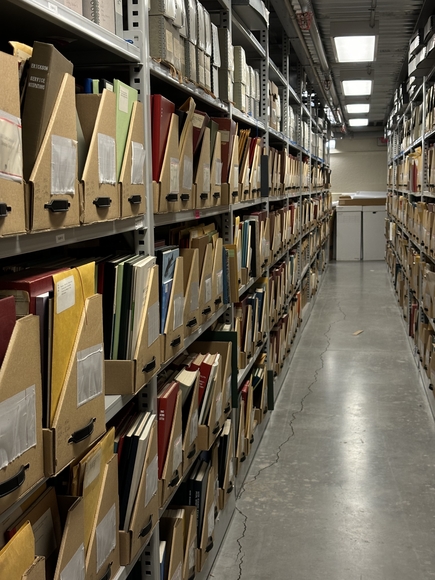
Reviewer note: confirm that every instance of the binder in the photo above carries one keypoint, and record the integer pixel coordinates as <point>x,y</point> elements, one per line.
<point>161,113</point>
<point>173,467</point>
<point>229,478</point>
<point>52,193</point>
<point>132,178</point>
<point>174,328</point>
<point>12,207</point>
<point>125,98</point>
<point>206,539</point>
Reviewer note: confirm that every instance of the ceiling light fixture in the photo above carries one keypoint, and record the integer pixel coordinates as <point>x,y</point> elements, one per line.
<point>355,48</point>
<point>358,122</point>
<point>361,108</point>
<point>357,88</point>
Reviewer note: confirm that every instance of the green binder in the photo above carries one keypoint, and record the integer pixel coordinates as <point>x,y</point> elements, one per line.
<point>125,97</point>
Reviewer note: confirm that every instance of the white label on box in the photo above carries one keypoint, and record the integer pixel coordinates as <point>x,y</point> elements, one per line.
<point>89,373</point>
<point>75,569</point>
<point>177,456</point>
<point>193,427</point>
<point>65,294</point>
<point>218,408</point>
<point>194,296</point>
<point>235,181</point>
<point>137,163</point>
<point>175,175</point>
<point>231,470</point>
<point>92,470</point>
<point>11,150</point>
<point>225,136</point>
<point>106,159</point>
<point>219,165</point>
<point>210,520</point>
<point>151,481</point>
<point>45,538</point>
<point>208,289</point>
<point>153,323</point>
<point>198,120</point>
<point>106,533</point>
<point>118,7</point>
<point>206,178</point>
<point>178,310</point>
<point>177,573</point>
<point>169,42</point>
<point>229,389</point>
<point>188,173</point>
<point>220,281</point>
<point>60,238</point>
<point>123,99</point>
<point>192,554</point>
<point>63,165</point>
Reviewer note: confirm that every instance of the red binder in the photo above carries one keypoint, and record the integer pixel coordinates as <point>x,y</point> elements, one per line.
<point>166,401</point>
<point>161,112</point>
<point>228,129</point>
<point>7,323</point>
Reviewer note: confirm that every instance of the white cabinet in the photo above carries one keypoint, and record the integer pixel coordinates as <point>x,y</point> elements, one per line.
<point>373,233</point>
<point>348,242</point>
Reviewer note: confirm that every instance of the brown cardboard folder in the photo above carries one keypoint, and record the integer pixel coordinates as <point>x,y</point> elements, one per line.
<point>172,532</point>
<point>231,190</point>
<point>190,436</point>
<point>49,208</point>
<point>216,173</point>
<point>203,175</point>
<point>102,557</point>
<point>174,327</point>
<point>146,508</point>
<point>71,557</point>
<point>12,207</point>
<point>186,170</point>
<point>191,289</point>
<point>207,534</point>
<point>74,428</point>
<point>18,554</point>
<point>218,275</point>
<point>20,377</point>
<point>99,192</point>
<point>241,439</point>
<point>167,190</point>
<point>228,485</point>
<point>190,542</point>
<point>133,202</point>
<point>36,570</point>
<point>124,377</point>
<point>206,300</point>
<point>173,468</point>
<point>208,431</point>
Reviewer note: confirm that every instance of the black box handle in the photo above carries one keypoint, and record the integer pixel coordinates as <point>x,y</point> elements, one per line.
<point>192,453</point>
<point>84,433</point>
<point>15,482</point>
<point>209,545</point>
<point>57,205</point>
<point>108,573</point>
<point>207,310</point>
<point>102,202</point>
<point>185,196</point>
<point>150,366</point>
<point>193,322</point>
<point>175,479</point>
<point>216,195</point>
<point>135,199</point>
<point>172,197</point>
<point>176,341</point>
<point>4,210</point>
<point>147,529</point>
<point>203,196</point>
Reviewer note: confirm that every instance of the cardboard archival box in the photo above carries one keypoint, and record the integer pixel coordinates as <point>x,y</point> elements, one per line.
<point>76,425</point>
<point>208,431</point>
<point>12,208</point>
<point>191,289</point>
<point>173,468</point>
<point>17,557</point>
<point>190,542</point>
<point>186,170</point>
<point>241,439</point>
<point>131,180</point>
<point>126,377</point>
<point>166,192</point>
<point>172,530</point>
<point>218,275</point>
<point>231,190</point>
<point>202,183</point>
<point>36,570</point>
<point>206,306</point>
<point>146,508</point>
<point>174,327</point>
<point>71,558</point>
<point>216,173</point>
<point>99,190</point>
<point>52,193</point>
<point>207,534</point>
<point>102,558</point>
<point>190,436</point>
<point>228,485</point>
<point>21,405</point>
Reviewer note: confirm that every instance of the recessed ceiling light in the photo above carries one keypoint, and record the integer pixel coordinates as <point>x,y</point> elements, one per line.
<point>355,48</point>
<point>357,88</point>
<point>358,122</point>
<point>362,108</point>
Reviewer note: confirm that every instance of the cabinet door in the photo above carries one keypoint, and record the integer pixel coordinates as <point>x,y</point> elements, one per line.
<point>374,234</point>
<point>348,235</point>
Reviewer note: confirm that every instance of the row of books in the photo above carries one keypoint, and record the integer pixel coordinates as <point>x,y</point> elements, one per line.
<point>283,334</point>
<point>250,321</point>
<point>285,172</point>
<point>416,217</point>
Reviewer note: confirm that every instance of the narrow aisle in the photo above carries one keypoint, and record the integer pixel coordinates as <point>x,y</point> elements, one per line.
<point>343,484</point>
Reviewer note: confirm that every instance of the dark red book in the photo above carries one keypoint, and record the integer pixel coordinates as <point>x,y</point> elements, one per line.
<point>161,113</point>
<point>228,129</point>
<point>200,122</point>
<point>7,323</point>
<point>166,401</point>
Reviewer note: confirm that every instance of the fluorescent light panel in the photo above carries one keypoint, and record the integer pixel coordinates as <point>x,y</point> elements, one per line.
<point>358,122</point>
<point>357,88</point>
<point>355,48</point>
<point>362,108</point>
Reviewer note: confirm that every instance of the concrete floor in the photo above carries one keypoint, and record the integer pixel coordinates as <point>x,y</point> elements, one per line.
<point>352,495</point>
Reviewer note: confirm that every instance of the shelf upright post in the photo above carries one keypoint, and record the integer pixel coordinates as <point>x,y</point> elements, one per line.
<point>264,82</point>
<point>300,158</point>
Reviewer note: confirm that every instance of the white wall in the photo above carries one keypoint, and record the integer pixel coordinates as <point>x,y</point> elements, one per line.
<point>358,164</point>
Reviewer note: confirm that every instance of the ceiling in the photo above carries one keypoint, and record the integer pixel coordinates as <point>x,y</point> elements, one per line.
<point>397,19</point>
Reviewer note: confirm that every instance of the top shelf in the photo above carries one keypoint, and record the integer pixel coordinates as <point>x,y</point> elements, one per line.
<point>245,38</point>
<point>84,39</point>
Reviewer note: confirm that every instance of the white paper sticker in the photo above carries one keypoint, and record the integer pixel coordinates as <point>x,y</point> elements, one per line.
<point>193,427</point>
<point>153,323</point>
<point>106,159</point>
<point>174,175</point>
<point>210,520</point>
<point>231,469</point>
<point>75,569</point>
<point>177,573</point>
<point>192,554</point>
<point>89,373</point>
<point>198,120</point>
<point>220,281</point>
<point>208,287</point>
<point>194,296</point>
<point>187,173</point>
<point>218,407</point>
<point>45,538</point>
<point>169,42</point>
<point>177,456</point>
<point>225,136</point>
<point>17,425</point>
<point>106,537</point>
<point>118,7</point>
<point>63,165</point>
<point>218,177</point>
<point>229,389</point>
<point>92,470</point>
<point>11,150</point>
<point>122,99</point>
<point>235,182</point>
<point>137,163</point>
<point>151,481</point>
<point>65,294</point>
<point>178,310</point>
<point>206,178</point>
